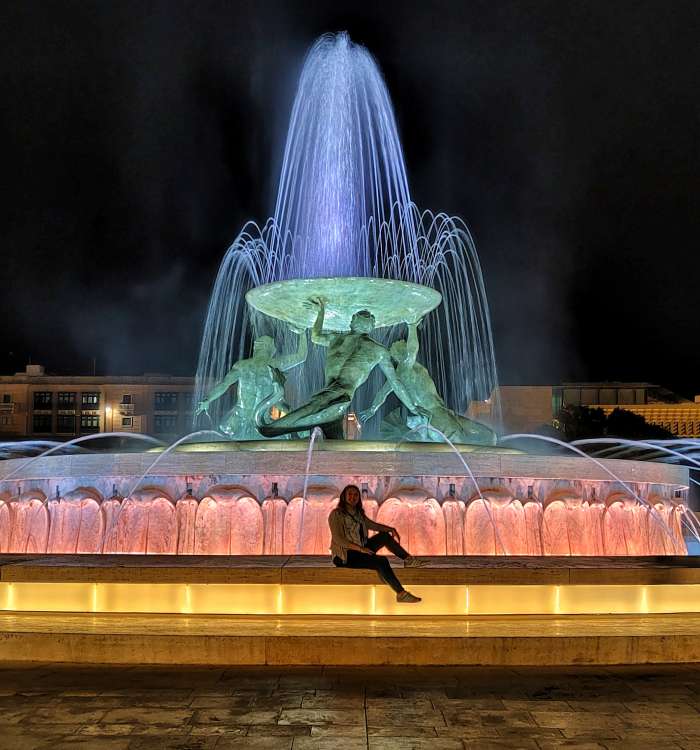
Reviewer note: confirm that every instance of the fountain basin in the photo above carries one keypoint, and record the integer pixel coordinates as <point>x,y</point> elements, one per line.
<point>247,501</point>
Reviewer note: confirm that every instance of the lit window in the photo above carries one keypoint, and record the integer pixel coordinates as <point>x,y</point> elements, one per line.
<point>90,400</point>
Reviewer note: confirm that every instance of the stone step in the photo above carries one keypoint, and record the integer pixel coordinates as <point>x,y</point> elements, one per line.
<point>226,640</point>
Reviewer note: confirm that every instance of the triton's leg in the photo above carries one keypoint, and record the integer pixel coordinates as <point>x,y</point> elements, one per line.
<point>464,430</point>
<point>318,412</point>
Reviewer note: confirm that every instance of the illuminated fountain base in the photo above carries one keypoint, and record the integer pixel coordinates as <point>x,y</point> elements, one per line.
<point>236,573</point>
<point>248,499</point>
<point>301,610</point>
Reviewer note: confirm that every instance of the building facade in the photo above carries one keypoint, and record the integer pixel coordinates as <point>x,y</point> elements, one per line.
<point>527,408</point>
<point>34,405</point>
<point>37,406</point>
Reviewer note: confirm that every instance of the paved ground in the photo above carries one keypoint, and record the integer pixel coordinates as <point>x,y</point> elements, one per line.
<point>342,708</point>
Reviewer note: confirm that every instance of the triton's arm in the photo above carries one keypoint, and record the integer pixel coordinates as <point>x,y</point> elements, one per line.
<point>287,361</point>
<point>379,399</point>
<point>317,335</point>
<point>233,376</point>
<point>396,386</point>
<point>412,344</point>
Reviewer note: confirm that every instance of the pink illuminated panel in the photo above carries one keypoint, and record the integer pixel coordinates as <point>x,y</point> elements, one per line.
<point>580,518</point>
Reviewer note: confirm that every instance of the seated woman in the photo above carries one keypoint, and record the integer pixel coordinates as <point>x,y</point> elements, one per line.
<point>352,548</point>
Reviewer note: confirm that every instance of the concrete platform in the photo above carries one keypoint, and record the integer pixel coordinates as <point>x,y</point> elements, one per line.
<point>226,640</point>
<point>319,570</point>
<point>309,585</point>
<point>70,707</point>
<point>127,609</point>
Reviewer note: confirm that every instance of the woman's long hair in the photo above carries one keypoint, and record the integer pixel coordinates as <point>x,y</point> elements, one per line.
<point>343,506</point>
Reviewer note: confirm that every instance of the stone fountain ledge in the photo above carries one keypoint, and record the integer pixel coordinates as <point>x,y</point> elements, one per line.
<point>318,570</point>
<point>349,462</point>
<point>243,502</point>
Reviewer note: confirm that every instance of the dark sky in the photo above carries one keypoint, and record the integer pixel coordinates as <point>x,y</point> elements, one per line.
<point>137,138</point>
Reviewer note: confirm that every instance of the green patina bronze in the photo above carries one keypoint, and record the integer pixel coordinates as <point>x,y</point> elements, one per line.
<point>260,386</point>
<point>391,302</point>
<point>351,308</point>
<point>416,381</point>
<point>350,359</point>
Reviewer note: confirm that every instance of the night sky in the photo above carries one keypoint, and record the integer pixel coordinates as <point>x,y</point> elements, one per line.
<point>138,137</point>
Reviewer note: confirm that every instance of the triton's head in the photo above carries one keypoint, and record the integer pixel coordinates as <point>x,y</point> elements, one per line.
<point>264,347</point>
<point>362,322</point>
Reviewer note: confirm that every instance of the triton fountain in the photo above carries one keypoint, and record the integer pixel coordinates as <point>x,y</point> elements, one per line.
<point>394,304</point>
<point>344,209</point>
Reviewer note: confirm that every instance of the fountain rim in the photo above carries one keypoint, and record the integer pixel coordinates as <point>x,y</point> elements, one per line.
<point>333,446</point>
<point>284,300</point>
<point>417,460</point>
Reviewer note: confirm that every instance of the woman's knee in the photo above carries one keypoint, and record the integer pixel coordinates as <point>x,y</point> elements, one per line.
<point>383,537</point>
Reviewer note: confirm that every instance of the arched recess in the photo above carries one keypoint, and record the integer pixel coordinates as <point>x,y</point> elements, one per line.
<point>625,525</point>
<point>229,521</point>
<point>494,524</point>
<point>418,518</point>
<point>668,540</point>
<point>143,523</point>
<point>29,523</point>
<point>274,510</point>
<point>306,530</point>
<point>77,523</point>
<point>5,522</point>
<point>453,511</point>
<point>186,514</point>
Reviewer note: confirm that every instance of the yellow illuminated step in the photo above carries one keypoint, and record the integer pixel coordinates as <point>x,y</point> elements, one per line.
<point>303,599</point>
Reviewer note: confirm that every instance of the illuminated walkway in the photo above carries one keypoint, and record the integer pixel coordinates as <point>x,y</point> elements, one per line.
<point>67,707</point>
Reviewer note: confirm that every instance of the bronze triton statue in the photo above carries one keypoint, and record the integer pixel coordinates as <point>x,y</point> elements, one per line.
<point>350,359</point>
<point>260,382</point>
<point>417,383</point>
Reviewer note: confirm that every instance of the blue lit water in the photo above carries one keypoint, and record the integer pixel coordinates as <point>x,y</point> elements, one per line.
<point>344,208</point>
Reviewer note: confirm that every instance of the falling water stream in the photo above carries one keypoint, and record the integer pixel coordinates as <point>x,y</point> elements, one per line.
<point>75,441</point>
<point>456,451</point>
<point>344,208</point>
<point>569,446</point>
<point>315,433</point>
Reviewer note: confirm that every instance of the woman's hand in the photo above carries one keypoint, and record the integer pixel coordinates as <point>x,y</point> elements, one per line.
<point>395,534</point>
<point>368,551</point>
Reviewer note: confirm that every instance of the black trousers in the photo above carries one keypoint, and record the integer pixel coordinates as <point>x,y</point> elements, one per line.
<point>376,562</point>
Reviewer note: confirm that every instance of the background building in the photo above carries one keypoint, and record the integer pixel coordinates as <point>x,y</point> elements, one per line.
<point>59,407</point>
<point>527,408</point>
